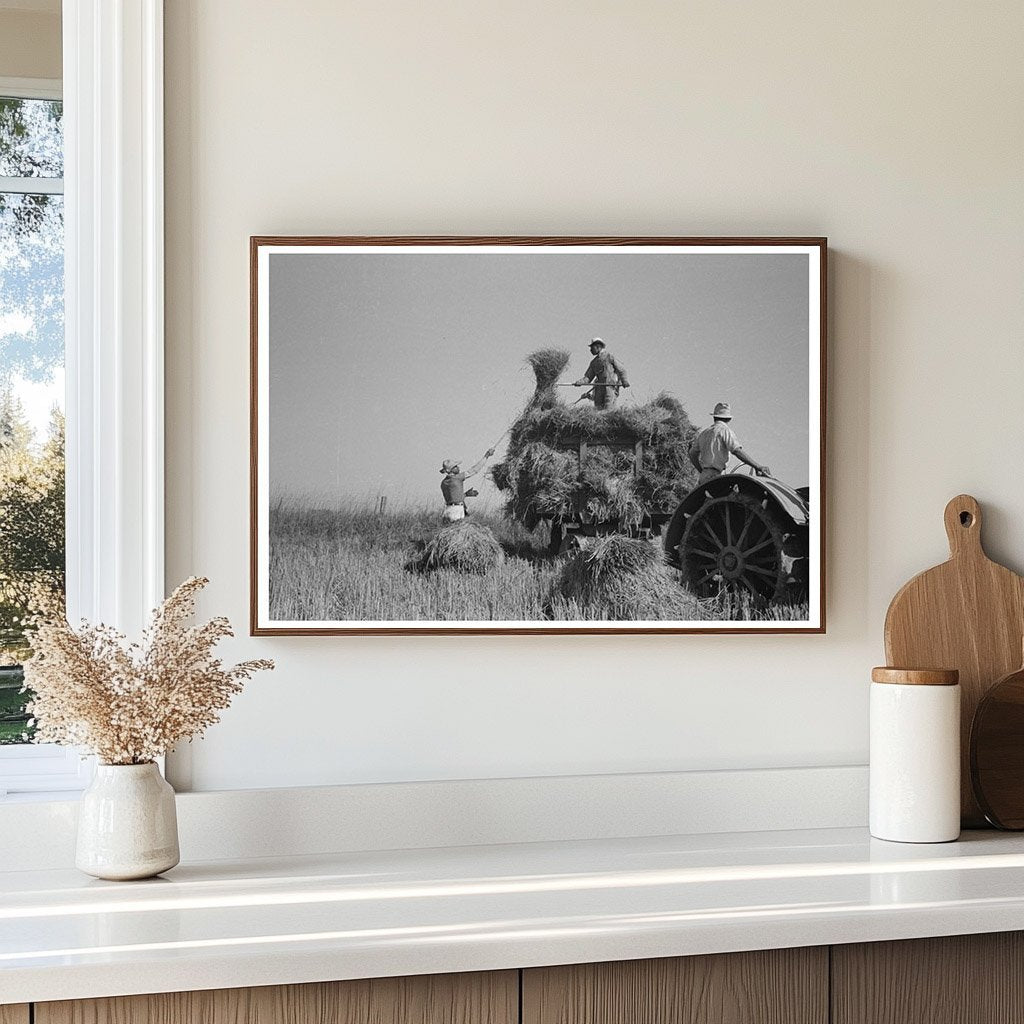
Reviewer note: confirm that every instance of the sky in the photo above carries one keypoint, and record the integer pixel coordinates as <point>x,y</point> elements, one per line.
<point>38,397</point>
<point>381,366</point>
<point>32,268</point>
<point>43,391</point>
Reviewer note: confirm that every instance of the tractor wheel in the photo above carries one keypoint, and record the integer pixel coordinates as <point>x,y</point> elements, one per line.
<point>736,543</point>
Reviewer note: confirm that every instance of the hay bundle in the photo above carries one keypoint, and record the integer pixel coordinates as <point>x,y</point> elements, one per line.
<point>542,474</point>
<point>463,546</point>
<point>605,491</point>
<point>540,481</point>
<point>548,364</point>
<point>621,578</point>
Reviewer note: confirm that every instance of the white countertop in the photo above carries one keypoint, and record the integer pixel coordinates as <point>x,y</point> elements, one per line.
<point>227,924</point>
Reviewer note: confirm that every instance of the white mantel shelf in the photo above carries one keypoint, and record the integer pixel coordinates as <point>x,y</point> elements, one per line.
<point>226,924</point>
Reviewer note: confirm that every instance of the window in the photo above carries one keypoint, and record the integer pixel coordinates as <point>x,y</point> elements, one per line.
<point>112,212</point>
<point>32,531</point>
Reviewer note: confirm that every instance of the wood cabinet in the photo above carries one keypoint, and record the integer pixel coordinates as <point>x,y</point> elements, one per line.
<point>777,986</point>
<point>491,998</point>
<point>968,979</point>
<point>962,979</point>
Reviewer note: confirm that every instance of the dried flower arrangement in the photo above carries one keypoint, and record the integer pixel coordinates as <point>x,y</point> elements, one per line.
<point>130,703</point>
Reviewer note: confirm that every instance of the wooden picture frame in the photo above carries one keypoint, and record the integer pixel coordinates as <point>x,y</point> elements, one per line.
<point>339,344</point>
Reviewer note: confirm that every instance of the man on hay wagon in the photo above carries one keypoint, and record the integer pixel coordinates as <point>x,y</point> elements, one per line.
<point>605,374</point>
<point>711,448</point>
<point>454,490</point>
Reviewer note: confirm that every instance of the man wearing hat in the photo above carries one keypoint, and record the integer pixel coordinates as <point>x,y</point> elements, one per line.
<point>711,448</point>
<point>453,489</point>
<point>606,375</point>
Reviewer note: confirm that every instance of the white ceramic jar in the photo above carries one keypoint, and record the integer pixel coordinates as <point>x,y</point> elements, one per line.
<point>127,823</point>
<point>915,755</point>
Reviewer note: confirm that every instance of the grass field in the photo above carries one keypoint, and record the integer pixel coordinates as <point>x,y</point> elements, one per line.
<point>348,564</point>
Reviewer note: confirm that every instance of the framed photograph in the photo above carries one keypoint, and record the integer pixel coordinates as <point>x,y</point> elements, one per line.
<point>537,435</point>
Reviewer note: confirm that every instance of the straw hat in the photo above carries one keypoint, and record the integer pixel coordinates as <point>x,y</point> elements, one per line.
<point>449,466</point>
<point>723,411</point>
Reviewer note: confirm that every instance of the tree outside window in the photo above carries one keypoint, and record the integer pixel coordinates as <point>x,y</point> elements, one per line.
<point>31,387</point>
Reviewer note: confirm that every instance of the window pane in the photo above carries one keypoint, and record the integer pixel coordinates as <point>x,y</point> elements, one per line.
<point>13,720</point>
<point>31,432</point>
<point>31,138</point>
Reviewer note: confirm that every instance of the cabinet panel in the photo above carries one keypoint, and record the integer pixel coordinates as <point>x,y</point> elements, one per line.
<point>14,1014</point>
<point>483,998</point>
<point>778,986</point>
<point>960,979</point>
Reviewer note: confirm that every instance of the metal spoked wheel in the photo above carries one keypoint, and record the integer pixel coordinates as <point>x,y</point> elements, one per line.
<point>735,543</point>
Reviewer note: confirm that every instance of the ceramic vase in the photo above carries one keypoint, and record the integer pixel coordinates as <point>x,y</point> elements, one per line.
<point>127,825</point>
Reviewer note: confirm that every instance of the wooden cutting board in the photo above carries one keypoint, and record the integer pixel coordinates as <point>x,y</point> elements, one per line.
<point>967,614</point>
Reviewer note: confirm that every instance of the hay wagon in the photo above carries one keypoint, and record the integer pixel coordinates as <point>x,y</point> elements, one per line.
<point>742,533</point>
<point>588,473</point>
<point>620,459</point>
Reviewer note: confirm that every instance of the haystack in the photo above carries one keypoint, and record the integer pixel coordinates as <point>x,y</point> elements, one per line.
<point>621,578</point>
<point>462,546</point>
<point>542,474</point>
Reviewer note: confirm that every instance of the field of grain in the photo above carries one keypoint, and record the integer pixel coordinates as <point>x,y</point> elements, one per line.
<point>350,564</point>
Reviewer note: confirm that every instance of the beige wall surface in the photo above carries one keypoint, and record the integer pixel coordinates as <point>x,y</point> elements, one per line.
<point>29,44</point>
<point>895,129</point>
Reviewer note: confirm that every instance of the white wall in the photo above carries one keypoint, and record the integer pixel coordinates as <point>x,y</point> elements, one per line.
<point>895,129</point>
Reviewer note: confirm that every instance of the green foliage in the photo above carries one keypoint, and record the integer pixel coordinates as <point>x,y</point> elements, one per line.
<point>31,524</point>
<point>13,718</point>
<point>31,143</point>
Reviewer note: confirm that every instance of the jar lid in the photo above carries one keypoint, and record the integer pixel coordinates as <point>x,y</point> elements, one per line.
<point>916,676</point>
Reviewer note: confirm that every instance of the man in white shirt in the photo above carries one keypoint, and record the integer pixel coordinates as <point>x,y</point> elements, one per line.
<point>712,447</point>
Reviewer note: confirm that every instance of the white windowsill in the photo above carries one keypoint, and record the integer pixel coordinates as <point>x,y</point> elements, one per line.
<point>42,771</point>
<point>48,797</point>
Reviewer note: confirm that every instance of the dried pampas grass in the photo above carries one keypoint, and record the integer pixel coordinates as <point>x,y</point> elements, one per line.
<point>129,703</point>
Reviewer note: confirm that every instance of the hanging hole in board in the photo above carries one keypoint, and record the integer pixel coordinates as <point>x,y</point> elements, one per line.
<point>966,519</point>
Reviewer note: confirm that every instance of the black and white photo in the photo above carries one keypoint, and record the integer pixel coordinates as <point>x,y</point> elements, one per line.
<point>537,435</point>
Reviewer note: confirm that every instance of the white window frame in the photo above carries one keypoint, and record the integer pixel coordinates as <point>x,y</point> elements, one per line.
<point>31,89</point>
<point>114,324</point>
<point>42,767</point>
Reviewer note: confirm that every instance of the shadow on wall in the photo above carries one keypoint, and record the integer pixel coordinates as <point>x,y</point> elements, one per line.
<point>853,289</point>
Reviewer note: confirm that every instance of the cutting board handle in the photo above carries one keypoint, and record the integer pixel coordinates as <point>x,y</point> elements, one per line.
<point>963,527</point>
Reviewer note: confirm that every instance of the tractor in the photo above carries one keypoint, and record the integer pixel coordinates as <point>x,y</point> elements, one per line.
<point>743,534</point>
<point>738,533</point>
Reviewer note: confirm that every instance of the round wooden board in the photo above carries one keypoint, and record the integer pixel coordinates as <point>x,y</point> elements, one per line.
<point>997,752</point>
